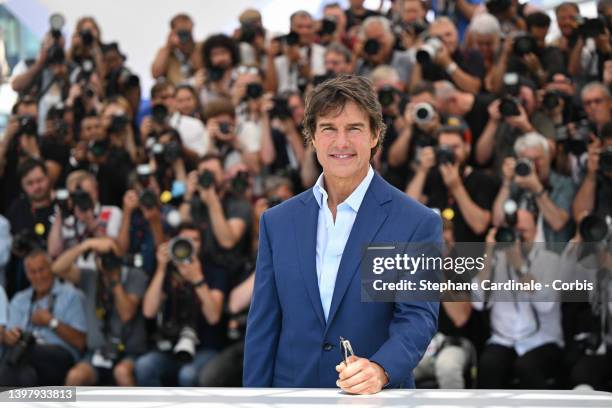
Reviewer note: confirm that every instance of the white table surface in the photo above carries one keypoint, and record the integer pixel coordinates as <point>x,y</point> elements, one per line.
<point>117,397</point>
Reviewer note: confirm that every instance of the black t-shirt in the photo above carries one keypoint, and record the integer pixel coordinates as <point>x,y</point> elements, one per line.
<point>23,217</point>
<point>182,303</point>
<point>481,188</point>
<point>551,59</point>
<point>112,177</point>
<point>469,61</point>
<point>229,260</point>
<point>55,150</point>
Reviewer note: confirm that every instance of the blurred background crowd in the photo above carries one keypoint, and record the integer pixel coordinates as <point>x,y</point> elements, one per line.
<point>129,217</point>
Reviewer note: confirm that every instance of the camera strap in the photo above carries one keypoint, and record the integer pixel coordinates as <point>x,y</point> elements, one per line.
<point>104,305</point>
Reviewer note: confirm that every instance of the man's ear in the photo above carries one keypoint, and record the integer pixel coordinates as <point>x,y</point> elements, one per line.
<point>375,139</point>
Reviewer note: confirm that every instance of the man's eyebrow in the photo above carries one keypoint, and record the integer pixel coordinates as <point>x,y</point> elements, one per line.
<point>323,124</point>
<point>356,124</point>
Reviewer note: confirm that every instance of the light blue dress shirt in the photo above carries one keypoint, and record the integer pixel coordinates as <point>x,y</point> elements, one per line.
<point>332,237</point>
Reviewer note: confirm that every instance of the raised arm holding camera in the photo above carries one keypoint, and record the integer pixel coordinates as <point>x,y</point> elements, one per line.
<point>186,295</point>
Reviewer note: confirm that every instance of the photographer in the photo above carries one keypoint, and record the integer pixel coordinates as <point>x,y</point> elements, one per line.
<point>56,142</point>
<point>86,44</point>
<point>220,210</point>
<point>485,35</point>
<point>333,25</point>
<point>164,114</point>
<point>220,55</point>
<point>141,228</point>
<point>527,340</point>
<point>45,333</point>
<point>252,38</point>
<point>83,216</point>
<point>567,15</point>
<point>30,217</point>
<point>20,142</point>
<point>591,50</point>
<point>509,117</point>
<point>115,326</point>
<point>167,164</point>
<point>597,103</point>
<point>178,59</point>
<point>186,296</point>
<point>463,195</point>
<point>301,60</point>
<point>421,121</point>
<point>374,47</point>
<point>594,195</point>
<point>337,59</point>
<point>440,58</point>
<point>539,185</point>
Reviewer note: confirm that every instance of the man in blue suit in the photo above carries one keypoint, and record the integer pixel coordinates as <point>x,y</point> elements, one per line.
<point>307,290</point>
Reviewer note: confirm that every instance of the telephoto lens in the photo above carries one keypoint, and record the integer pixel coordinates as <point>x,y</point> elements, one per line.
<point>423,113</point>
<point>371,46</point>
<point>522,167</point>
<point>427,52</point>
<point>181,250</point>
<point>206,179</point>
<point>386,95</point>
<point>594,228</point>
<point>254,90</point>
<point>508,106</point>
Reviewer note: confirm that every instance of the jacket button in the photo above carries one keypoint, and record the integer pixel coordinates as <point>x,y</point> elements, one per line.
<point>327,347</point>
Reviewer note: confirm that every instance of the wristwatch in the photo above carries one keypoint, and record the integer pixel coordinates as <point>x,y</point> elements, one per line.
<point>451,68</point>
<point>53,323</point>
<point>199,283</point>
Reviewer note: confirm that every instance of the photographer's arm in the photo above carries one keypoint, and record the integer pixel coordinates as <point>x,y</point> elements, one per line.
<point>212,303</point>
<point>467,9</point>
<point>153,295</point>
<point>76,338</point>
<point>556,217</point>
<point>267,152</point>
<point>477,218</point>
<point>23,81</point>
<point>227,232</point>
<point>499,69</point>
<point>55,241</point>
<point>240,297</point>
<point>64,266</point>
<point>458,312</point>
<point>584,202</point>
<point>126,303</point>
<point>160,63</point>
<point>498,205</point>
<point>399,148</point>
<point>416,185</point>
<point>486,142</point>
<point>574,65</point>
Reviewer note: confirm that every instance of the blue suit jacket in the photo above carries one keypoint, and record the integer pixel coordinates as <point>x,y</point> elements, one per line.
<point>288,342</point>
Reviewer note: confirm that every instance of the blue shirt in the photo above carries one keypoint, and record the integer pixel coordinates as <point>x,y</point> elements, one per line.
<point>332,237</point>
<point>67,309</point>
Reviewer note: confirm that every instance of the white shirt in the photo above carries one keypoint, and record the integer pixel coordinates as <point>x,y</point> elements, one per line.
<point>288,78</point>
<point>529,321</point>
<point>192,131</point>
<point>332,237</point>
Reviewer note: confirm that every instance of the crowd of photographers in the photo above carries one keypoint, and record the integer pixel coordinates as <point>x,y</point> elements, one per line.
<point>129,223</point>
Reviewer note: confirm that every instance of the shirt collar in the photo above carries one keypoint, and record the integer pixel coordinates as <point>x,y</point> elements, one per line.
<point>353,200</point>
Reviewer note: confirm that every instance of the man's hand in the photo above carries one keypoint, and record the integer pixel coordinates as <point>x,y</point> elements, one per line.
<point>12,336</point>
<point>593,157</point>
<point>521,121</point>
<point>130,201</point>
<point>361,376</point>
<point>427,159</point>
<point>530,182</point>
<point>443,57</point>
<point>192,271</point>
<point>508,169</point>
<point>41,317</point>
<point>532,62</point>
<point>100,245</point>
<point>493,110</point>
<point>208,195</point>
<point>450,175</point>
<point>162,256</point>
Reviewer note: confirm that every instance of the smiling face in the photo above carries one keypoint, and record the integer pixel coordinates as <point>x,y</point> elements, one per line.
<point>343,141</point>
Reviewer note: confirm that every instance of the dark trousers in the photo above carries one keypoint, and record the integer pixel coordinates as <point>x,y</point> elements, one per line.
<point>595,371</point>
<point>43,364</point>
<point>225,369</point>
<point>499,366</point>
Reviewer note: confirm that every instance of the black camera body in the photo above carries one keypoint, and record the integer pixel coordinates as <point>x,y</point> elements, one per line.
<point>27,125</point>
<point>605,160</point>
<point>590,27</point>
<point>444,155</point>
<point>148,199</point>
<point>386,95</point>
<point>497,7</point>
<point>240,182</point>
<point>181,250</point>
<point>509,106</point>
<point>371,46</point>
<point>118,124</point>
<point>82,200</point>
<point>254,90</point>
<point>17,353</point>
<point>280,109</point>
<point>328,25</point>
<point>99,147</point>
<point>522,167</point>
<point>524,44</point>
<point>206,179</point>
<point>159,113</point>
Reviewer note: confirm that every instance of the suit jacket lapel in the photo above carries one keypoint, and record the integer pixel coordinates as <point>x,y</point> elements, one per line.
<point>306,221</point>
<point>370,218</point>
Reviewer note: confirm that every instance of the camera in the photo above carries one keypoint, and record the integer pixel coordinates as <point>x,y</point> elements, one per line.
<point>225,128</point>
<point>181,250</point>
<point>505,235</point>
<point>280,109</point>
<point>185,347</point>
<point>605,160</point>
<point>522,167</point>
<point>148,199</point>
<point>86,37</point>
<point>497,7</point>
<point>240,182</point>
<point>423,113</point>
<point>206,179</point>
<point>444,155</point>
<point>594,228</point>
<point>328,25</point>
<point>56,21</point>
<point>82,200</point>
<point>169,152</point>
<point>24,242</point>
<point>87,68</point>
<point>427,52</point>
<point>386,95</point>
<point>509,106</point>
<point>254,90</point>
<point>159,113</point>
<point>184,36</point>
<point>248,32</point>
<point>99,147</point>
<point>551,100</point>
<point>371,46</point>
<point>110,261</point>
<point>61,198</point>
<point>143,172</point>
<point>292,38</point>
<point>118,123</point>
<point>590,27</point>
<point>16,354</point>
<point>27,125</point>
<point>524,44</point>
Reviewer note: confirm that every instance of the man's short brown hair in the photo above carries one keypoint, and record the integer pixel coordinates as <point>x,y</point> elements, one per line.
<point>332,96</point>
